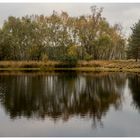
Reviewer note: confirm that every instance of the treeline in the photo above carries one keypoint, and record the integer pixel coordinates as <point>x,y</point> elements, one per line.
<point>61,37</point>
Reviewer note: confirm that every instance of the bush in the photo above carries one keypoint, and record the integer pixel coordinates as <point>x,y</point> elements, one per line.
<point>71,60</point>
<point>87,57</point>
<point>71,56</point>
<point>45,57</point>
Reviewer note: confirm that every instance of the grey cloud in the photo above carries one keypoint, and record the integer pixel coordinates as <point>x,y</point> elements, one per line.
<point>123,13</point>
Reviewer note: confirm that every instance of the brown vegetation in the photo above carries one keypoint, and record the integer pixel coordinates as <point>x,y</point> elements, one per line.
<point>112,65</point>
<point>129,64</point>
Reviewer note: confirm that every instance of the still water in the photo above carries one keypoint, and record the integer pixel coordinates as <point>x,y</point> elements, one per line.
<point>70,104</point>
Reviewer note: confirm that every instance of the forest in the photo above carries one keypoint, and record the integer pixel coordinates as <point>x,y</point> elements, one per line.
<point>61,37</point>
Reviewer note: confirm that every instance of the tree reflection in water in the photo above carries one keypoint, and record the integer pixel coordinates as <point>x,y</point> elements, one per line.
<point>61,96</point>
<point>134,84</point>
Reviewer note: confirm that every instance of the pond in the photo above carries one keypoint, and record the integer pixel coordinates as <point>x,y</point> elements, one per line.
<point>69,104</point>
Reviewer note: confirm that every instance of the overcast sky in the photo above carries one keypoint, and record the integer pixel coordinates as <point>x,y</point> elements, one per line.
<point>125,14</point>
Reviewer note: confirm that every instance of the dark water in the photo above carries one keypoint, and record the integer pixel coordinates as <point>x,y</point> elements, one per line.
<point>70,104</point>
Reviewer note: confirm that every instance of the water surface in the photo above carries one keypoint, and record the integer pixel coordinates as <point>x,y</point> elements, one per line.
<point>70,104</point>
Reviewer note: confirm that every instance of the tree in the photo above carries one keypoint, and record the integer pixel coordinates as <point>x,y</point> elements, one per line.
<point>61,37</point>
<point>134,42</point>
<point>88,29</point>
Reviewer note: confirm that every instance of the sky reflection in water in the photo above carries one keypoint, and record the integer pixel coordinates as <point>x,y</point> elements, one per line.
<point>70,104</point>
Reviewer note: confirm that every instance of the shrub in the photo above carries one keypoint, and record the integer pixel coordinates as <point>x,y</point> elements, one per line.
<point>87,57</point>
<point>45,57</point>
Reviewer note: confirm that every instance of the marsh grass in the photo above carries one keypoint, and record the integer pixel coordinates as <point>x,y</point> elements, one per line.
<point>99,65</point>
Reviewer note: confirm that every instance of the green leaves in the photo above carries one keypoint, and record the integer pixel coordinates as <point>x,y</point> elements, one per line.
<point>134,42</point>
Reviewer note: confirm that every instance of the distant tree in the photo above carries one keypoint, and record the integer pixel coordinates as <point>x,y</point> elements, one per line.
<point>134,42</point>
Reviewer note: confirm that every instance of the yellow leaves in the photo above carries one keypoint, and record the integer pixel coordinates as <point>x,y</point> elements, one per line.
<point>72,51</point>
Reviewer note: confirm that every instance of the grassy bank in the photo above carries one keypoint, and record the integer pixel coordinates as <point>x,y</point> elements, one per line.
<point>114,65</point>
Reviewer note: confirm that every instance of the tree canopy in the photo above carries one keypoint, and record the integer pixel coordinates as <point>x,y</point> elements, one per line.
<point>61,37</point>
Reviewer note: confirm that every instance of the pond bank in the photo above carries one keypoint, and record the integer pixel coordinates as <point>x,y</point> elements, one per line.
<point>85,66</point>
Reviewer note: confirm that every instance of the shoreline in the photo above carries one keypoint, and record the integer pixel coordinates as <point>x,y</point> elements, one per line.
<point>78,69</point>
<point>81,66</point>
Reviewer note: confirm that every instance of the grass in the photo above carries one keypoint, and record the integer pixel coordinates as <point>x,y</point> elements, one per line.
<point>27,64</point>
<point>85,66</point>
